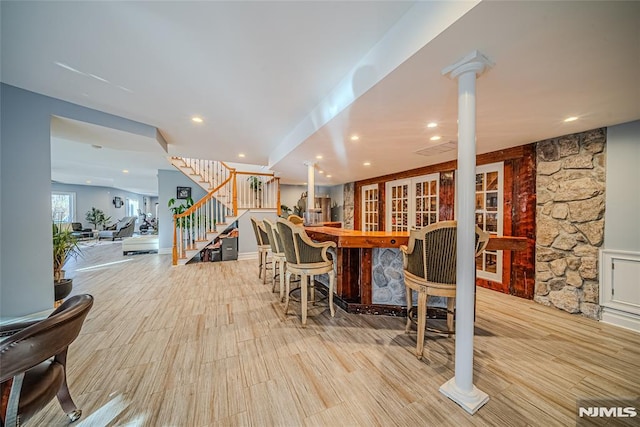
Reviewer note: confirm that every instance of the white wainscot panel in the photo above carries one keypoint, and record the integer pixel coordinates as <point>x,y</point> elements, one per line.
<point>620,288</point>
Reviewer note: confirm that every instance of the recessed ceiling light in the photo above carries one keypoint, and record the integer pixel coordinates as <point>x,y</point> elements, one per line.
<point>367,163</point>
<point>319,156</point>
<point>432,125</point>
<point>570,119</point>
<point>320,171</point>
<point>98,78</point>
<point>241,155</point>
<point>196,119</point>
<point>88,181</point>
<point>355,137</point>
<point>125,171</point>
<point>328,176</point>
<point>67,67</point>
<point>435,138</point>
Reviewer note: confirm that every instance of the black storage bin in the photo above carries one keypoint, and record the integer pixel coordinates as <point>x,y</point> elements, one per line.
<point>229,248</point>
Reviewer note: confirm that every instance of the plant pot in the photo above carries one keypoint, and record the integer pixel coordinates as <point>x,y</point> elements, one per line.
<point>62,288</point>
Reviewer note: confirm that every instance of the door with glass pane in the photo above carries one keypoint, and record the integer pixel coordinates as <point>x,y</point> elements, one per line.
<point>370,207</point>
<point>489,217</point>
<point>425,198</point>
<point>397,195</point>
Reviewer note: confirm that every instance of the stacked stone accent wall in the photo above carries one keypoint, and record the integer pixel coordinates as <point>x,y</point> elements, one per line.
<point>570,207</point>
<point>349,205</point>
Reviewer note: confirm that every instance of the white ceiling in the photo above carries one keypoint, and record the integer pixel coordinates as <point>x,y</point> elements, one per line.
<point>284,82</point>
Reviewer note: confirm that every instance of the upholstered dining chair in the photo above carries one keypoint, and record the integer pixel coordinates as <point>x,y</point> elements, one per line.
<point>307,259</point>
<point>262,240</point>
<point>277,253</point>
<point>33,361</point>
<point>295,219</point>
<point>429,263</point>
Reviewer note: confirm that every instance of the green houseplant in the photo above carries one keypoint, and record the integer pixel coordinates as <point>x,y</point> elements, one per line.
<point>183,222</point>
<point>285,211</point>
<point>97,217</point>
<point>65,247</point>
<point>255,184</point>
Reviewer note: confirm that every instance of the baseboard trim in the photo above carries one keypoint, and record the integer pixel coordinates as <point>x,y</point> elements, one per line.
<point>621,319</point>
<point>247,255</point>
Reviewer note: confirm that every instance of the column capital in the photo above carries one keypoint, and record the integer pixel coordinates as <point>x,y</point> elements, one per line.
<point>475,61</point>
<point>309,163</point>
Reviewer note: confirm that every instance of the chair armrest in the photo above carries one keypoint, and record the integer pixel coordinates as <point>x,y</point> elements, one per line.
<point>405,260</point>
<point>311,245</point>
<point>12,328</point>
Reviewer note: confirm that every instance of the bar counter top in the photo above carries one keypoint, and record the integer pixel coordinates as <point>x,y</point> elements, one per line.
<point>394,239</point>
<point>369,276</point>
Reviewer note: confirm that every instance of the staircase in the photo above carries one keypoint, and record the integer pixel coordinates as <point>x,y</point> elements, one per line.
<point>230,194</point>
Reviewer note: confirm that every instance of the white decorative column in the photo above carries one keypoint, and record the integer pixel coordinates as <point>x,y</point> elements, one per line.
<point>460,388</point>
<point>311,185</point>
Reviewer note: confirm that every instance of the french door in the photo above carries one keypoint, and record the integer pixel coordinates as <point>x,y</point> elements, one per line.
<point>489,201</point>
<point>369,207</point>
<point>412,202</point>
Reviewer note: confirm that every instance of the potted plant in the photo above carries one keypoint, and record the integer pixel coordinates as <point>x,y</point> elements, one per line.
<point>285,211</point>
<point>255,183</point>
<point>97,217</point>
<point>65,247</point>
<point>183,222</point>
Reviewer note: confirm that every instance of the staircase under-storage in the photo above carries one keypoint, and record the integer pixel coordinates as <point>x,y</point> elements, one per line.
<point>230,194</point>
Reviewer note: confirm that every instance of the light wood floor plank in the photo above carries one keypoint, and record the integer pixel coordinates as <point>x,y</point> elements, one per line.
<point>210,345</point>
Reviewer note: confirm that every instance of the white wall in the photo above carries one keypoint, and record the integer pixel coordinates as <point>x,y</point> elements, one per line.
<point>26,261</point>
<point>622,212</point>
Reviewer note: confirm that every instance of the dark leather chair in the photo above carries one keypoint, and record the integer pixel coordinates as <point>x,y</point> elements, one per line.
<point>79,232</point>
<point>33,362</point>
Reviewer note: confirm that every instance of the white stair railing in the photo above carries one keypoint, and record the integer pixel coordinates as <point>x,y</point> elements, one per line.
<point>230,190</point>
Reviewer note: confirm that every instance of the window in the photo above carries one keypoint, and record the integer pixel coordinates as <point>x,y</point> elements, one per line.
<point>412,202</point>
<point>489,210</point>
<point>370,207</point>
<point>63,207</point>
<point>132,207</point>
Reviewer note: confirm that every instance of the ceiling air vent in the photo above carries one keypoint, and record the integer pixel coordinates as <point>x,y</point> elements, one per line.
<point>438,148</point>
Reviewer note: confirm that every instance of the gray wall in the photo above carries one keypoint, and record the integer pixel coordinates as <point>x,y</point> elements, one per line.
<point>26,262</point>
<point>247,245</point>
<point>88,196</point>
<point>168,180</point>
<point>622,213</point>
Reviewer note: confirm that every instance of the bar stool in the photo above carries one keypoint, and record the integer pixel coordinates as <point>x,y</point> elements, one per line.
<point>277,252</point>
<point>429,263</point>
<point>262,240</point>
<point>306,258</point>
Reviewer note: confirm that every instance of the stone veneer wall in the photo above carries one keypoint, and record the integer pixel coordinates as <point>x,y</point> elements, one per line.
<point>570,207</point>
<point>349,205</point>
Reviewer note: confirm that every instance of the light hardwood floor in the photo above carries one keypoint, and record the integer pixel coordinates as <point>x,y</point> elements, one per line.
<point>208,345</point>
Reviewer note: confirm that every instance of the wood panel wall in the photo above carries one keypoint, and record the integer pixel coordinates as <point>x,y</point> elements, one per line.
<point>518,276</point>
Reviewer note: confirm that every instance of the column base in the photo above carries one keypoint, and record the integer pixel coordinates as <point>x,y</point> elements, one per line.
<point>470,402</point>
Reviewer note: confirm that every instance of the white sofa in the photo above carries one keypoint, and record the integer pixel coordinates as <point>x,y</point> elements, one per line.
<point>142,243</point>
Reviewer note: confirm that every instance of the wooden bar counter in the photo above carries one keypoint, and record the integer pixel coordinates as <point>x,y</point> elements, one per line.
<point>354,260</point>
